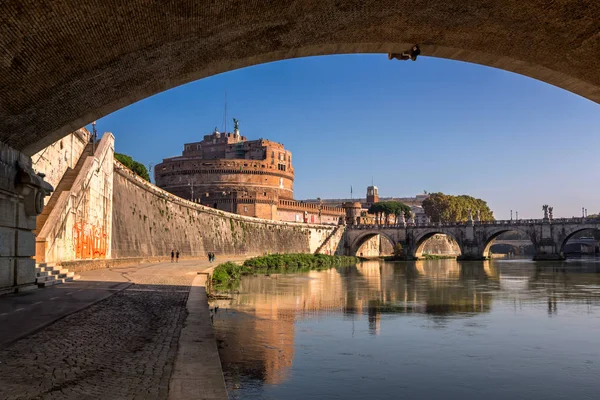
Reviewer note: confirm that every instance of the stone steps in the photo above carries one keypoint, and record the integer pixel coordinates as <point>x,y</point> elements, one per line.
<point>49,275</point>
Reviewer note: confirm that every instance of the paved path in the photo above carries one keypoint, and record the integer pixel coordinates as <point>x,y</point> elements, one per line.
<point>111,335</point>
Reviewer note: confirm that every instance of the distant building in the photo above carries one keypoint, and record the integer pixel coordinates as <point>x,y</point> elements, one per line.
<point>254,178</point>
<point>358,208</point>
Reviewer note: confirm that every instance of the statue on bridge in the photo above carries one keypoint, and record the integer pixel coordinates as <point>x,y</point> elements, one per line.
<point>478,217</point>
<point>545,209</point>
<point>550,209</point>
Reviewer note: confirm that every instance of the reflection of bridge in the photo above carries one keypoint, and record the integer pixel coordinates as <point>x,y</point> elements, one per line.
<point>548,236</point>
<point>581,245</point>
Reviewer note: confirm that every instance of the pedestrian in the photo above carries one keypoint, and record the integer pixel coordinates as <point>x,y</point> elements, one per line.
<point>172,255</point>
<point>209,257</point>
<point>214,257</point>
<point>177,256</point>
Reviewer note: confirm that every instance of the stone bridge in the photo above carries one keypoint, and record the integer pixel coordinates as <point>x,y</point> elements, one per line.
<point>548,236</point>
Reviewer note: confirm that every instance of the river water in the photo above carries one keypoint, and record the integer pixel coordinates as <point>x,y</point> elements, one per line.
<point>504,329</point>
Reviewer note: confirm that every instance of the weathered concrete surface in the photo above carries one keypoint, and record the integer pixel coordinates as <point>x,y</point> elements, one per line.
<point>197,372</point>
<point>65,63</point>
<point>122,347</point>
<point>80,224</point>
<point>150,222</point>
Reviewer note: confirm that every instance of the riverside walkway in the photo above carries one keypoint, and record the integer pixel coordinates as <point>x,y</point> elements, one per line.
<point>124,333</point>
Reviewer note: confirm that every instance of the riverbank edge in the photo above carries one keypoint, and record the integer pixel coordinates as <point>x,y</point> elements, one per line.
<point>197,371</point>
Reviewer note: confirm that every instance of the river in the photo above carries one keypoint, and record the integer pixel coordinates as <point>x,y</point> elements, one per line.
<point>503,329</point>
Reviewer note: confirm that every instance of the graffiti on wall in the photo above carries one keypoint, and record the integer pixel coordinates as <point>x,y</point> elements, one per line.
<point>90,241</point>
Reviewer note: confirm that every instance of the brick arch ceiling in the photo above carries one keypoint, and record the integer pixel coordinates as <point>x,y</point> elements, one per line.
<point>64,63</point>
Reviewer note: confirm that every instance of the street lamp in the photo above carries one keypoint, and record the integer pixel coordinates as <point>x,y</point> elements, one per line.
<point>517,215</point>
<point>192,185</point>
<point>320,208</point>
<point>511,215</point>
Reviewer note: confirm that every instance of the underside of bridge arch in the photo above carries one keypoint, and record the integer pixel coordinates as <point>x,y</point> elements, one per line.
<point>421,243</point>
<point>489,241</point>
<point>373,245</point>
<point>593,246</point>
<point>66,63</point>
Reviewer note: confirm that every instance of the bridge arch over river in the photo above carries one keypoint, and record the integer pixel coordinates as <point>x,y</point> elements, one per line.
<point>65,64</point>
<point>474,239</point>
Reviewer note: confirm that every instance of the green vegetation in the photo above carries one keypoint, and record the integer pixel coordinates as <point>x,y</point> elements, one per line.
<point>387,208</point>
<point>138,168</point>
<point>447,208</point>
<point>227,275</point>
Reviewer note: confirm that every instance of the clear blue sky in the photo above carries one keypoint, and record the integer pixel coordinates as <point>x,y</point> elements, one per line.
<point>433,124</point>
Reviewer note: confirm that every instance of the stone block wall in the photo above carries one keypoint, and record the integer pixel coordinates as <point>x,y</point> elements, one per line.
<point>80,225</point>
<point>21,199</point>
<point>148,221</point>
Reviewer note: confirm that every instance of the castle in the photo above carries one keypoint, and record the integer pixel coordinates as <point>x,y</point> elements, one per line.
<point>254,178</point>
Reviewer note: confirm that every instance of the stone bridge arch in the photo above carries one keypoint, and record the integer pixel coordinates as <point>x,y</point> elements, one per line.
<point>360,239</point>
<point>419,236</point>
<point>57,75</point>
<point>489,235</point>
<point>564,235</point>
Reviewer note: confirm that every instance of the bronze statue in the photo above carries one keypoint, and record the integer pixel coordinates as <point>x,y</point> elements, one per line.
<point>236,124</point>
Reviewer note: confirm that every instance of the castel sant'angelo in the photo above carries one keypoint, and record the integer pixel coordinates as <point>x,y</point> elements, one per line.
<point>248,177</point>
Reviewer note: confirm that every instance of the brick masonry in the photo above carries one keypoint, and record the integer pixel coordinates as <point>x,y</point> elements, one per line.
<point>64,63</point>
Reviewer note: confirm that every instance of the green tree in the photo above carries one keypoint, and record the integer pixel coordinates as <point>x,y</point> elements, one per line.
<point>384,209</point>
<point>447,208</point>
<point>137,167</point>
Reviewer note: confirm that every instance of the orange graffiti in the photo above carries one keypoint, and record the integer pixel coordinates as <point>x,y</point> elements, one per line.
<point>89,241</point>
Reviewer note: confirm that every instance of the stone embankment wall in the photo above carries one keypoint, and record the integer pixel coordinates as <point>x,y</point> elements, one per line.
<point>150,222</point>
<point>80,224</point>
<point>441,245</point>
<point>334,243</point>
<point>54,160</point>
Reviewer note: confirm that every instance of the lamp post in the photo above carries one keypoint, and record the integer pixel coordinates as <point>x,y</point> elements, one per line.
<point>511,215</point>
<point>192,189</point>
<point>320,208</point>
<point>517,215</point>
<point>94,136</point>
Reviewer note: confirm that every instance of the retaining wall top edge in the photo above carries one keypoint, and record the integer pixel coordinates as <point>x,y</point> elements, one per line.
<point>131,176</point>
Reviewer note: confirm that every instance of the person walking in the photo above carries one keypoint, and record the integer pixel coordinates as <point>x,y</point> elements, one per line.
<point>177,256</point>
<point>172,255</point>
<point>209,257</point>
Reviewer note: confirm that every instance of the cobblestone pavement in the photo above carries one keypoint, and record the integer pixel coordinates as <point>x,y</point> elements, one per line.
<point>120,348</point>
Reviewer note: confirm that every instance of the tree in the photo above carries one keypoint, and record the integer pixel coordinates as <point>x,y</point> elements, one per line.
<point>138,168</point>
<point>447,208</point>
<point>387,208</point>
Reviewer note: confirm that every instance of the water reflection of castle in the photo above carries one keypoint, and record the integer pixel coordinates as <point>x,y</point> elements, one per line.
<point>258,325</point>
<point>261,330</point>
